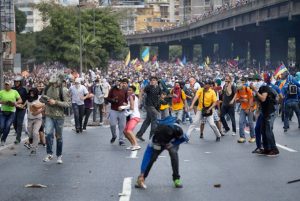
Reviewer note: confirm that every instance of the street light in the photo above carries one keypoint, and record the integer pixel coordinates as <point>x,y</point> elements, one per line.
<point>80,40</point>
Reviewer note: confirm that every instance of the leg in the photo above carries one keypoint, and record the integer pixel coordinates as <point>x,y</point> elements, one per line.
<point>154,116</point>
<point>145,124</point>
<point>173,152</point>
<point>101,112</point>
<point>113,123</point>
<point>286,116</point>
<point>19,123</point>
<point>121,125</point>
<point>250,122</point>
<point>95,112</point>
<point>212,124</point>
<point>35,132</point>
<point>231,113</point>
<point>242,121</point>
<point>194,124</point>
<point>258,131</point>
<point>81,114</point>
<point>6,122</point>
<point>76,115</point>
<point>223,120</point>
<point>59,125</point>
<point>49,131</point>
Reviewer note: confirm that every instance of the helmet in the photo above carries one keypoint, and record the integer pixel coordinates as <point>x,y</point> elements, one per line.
<point>267,77</point>
<point>18,78</point>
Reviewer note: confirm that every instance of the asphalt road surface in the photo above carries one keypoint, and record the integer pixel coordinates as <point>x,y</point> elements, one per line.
<point>95,170</point>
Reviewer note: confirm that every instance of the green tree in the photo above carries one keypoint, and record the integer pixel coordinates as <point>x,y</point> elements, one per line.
<point>21,20</point>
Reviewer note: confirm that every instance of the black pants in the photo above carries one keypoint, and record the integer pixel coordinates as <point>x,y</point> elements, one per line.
<point>151,118</point>
<point>228,109</point>
<point>87,113</point>
<point>18,122</point>
<point>173,152</point>
<point>78,115</point>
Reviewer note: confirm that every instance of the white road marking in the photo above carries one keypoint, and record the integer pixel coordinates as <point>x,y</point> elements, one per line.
<point>133,154</point>
<point>186,160</point>
<point>207,152</point>
<point>126,193</point>
<point>286,148</point>
<point>161,156</point>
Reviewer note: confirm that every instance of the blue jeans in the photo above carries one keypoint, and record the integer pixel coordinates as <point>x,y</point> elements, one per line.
<point>5,122</point>
<point>267,132</point>
<point>50,125</point>
<point>18,122</point>
<point>78,115</point>
<point>228,109</point>
<point>289,108</point>
<point>243,121</point>
<point>258,130</point>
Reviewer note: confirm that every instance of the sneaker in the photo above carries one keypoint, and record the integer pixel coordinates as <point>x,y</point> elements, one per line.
<point>84,129</point>
<point>241,140</point>
<point>121,143</point>
<point>140,183</point>
<point>129,148</point>
<point>2,143</point>
<point>77,131</point>
<point>285,130</point>
<point>218,139</point>
<point>226,131</point>
<point>177,183</point>
<point>48,158</point>
<point>263,152</point>
<point>140,138</point>
<point>101,124</point>
<point>113,139</point>
<point>233,134</point>
<point>134,148</point>
<point>59,160</point>
<point>27,145</point>
<point>272,153</point>
<point>258,151</point>
<point>251,140</point>
<point>201,135</point>
<point>17,141</point>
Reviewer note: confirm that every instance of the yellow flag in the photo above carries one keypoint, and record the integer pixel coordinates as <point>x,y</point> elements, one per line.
<point>127,59</point>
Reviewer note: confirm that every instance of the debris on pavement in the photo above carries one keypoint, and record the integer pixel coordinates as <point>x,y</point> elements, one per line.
<point>35,186</point>
<point>217,185</point>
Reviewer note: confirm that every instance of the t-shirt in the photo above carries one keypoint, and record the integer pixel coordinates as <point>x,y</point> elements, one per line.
<point>180,105</point>
<point>153,95</point>
<point>226,99</point>
<point>11,95</point>
<point>245,93</point>
<point>267,107</point>
<point>209,97</point>
<point>77,94</point>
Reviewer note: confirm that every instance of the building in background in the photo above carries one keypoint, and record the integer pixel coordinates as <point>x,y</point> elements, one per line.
<point>8,34</point>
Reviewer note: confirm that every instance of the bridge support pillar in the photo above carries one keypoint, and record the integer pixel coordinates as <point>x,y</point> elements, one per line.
<point>207,49</point>
<point>279,49</point>
<point>258,50</point>
<point>135,51</point>
<point>163,52</point>
<point>298,51</point>
<point>188,51</point>
<point>240,48</point>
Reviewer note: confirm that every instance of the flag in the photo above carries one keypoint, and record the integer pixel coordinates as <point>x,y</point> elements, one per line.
<point>207,60</point>
<point>146,55</point>
<point>183,62</point>
<point>127,59</point>
<point>232,63</point>
<point>134,61</point>
<point>280,69</point>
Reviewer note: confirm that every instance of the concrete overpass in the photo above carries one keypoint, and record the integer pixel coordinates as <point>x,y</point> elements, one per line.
<point>237,32</point>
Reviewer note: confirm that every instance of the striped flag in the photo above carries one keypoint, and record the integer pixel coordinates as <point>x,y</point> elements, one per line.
<point>280,69</point>
<point>146,55</point>
<point>127,59</point>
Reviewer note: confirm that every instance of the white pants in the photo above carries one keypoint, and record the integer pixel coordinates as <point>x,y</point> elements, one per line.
<point>203,119</point>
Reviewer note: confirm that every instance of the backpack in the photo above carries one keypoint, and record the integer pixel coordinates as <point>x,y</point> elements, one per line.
<point>168,121</point>
<point>274,97</point>
<point>292,89</point>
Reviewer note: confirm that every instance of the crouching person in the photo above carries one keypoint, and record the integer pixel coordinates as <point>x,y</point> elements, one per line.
<point>166,137</point>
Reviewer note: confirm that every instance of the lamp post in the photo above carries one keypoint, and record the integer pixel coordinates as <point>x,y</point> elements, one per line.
<point>80,40</point>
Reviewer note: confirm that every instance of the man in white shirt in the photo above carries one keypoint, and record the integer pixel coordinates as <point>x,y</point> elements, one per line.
<point>78,94</point>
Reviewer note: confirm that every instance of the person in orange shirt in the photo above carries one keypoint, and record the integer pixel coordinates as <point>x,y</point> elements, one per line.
<point>244,96</point>
<point>178,101</point>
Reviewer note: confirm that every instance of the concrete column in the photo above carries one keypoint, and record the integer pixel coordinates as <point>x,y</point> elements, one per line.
<point>188,51</point>
<point>135,51</point>
<point>279,49</point>
<point>298,51</point>
<point>207,49</point>
<point>163,52</point>
<point>258,49</point>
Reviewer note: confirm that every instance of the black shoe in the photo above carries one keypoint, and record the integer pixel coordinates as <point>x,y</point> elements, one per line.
<point>258,151</point>
<point>27,145</point>
<point>226,131</point>
<point>33,152</point>
<point>113,139</point>
<point>285,130</point>
<point>17,141</point>
<point>121,143</point>
<point>201,135</point>
<point>140,138</point>
<point>272,153</point>
<point>218,139</point>
<point>77,130</point>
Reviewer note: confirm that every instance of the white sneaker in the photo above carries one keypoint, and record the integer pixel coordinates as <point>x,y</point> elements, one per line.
<point>48,158</point>
<point>129,148</point>
<point>233,134</point>
<point>134,148</point>
<point>59,160</point>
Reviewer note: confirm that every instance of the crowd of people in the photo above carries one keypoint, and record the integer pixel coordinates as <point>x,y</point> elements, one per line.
<point>41,98</point>
<point>216,10</point>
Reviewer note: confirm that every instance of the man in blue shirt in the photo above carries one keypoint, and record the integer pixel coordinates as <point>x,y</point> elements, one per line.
<point>290,101</point>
